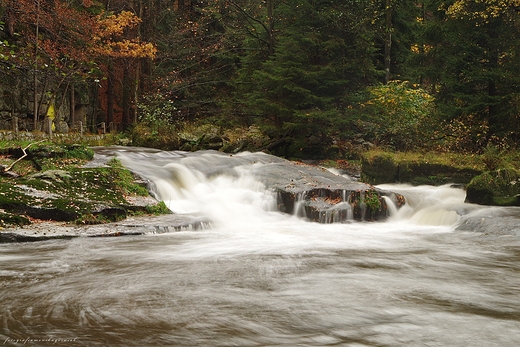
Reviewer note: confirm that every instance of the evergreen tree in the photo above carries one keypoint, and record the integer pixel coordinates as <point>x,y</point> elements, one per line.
<point>323,51</point>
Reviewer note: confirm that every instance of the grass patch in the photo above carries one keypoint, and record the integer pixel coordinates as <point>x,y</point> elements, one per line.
<point>158,209</point>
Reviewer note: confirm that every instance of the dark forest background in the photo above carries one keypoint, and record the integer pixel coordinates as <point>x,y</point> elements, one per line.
<point>307,75</point>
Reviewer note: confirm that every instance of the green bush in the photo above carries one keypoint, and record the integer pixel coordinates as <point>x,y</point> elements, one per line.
<point>397,115</point>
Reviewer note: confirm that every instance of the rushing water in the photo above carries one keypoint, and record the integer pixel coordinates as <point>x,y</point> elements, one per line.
<point>261,278</point>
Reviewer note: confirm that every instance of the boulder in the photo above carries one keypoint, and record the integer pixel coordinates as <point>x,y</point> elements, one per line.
<point>62,127</point>
<point>321,196</point>
<point>499,188</point>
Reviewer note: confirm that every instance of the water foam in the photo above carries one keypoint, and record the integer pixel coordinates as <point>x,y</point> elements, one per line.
<point>231,195</point>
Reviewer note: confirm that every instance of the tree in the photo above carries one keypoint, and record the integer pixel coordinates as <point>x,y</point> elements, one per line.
<point>321,54</point>
<point>482,60</point>
<point>49,38</point>
<point>115,42</point>
<point>188,68</point>
<point>66,42</point>
<point>398,115</point>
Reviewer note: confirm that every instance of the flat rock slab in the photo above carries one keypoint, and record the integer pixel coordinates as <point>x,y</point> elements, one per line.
<point>132,226</point>
<point>272,171</point>
<point>296,178</point>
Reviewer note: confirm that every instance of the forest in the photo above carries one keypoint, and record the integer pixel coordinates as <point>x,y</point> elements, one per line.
<point>309,78</point>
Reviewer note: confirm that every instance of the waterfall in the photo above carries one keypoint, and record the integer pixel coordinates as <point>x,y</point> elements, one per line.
<point>428,205</point>
<point>212,185</point>
<point>299,205</point>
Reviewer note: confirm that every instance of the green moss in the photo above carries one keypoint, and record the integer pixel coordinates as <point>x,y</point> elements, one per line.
<point>92,219</point>
<point>52,157</point>
<point>459,161</point>
<point>379,169</point>
<point>12,197</point>
<point>125,181</point>
<point>158,209</point>
<point>78,193</point>
<point>42,156</point>
<point>79,152</point>
<point>499,187</point>
<point>380,166</point>
<point>372,200</point>
<point>52,184</point>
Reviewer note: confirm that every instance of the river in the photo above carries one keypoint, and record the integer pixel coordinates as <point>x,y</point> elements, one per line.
<point>261,278</point>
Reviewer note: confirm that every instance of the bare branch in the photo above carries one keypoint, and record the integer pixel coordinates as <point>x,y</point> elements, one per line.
<point>23,156</point>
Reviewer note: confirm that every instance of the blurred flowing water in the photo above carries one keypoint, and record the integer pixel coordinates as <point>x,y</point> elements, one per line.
<point>261,278</point>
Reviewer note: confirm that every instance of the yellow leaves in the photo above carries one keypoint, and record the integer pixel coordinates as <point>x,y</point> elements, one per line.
<point>127,49</point>
<point>115,24</point>
<point>415,48</point>
<point>112,38</point>
<point>487,9</point>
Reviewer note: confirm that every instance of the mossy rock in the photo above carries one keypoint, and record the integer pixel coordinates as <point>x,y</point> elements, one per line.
<point>50,150</point>
<point>53,175</point>
<point>434,174</point>
<point>387,168</point>
<point>84,195</point>
<point>498,188</point>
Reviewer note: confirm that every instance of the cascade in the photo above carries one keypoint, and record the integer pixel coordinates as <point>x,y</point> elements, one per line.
<point>428,205</point>
<point>233,187</point>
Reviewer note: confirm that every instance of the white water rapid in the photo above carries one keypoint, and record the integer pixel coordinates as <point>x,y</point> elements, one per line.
<point>258,277</point>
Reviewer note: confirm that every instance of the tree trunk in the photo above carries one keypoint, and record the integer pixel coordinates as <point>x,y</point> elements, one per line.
<point>136,90</point>
<point>110,95</point>
<point>388,39</point>
<point>127,83</point>
<point>72,102</point>
<point>493,108</point>
<point>270,25</point>
<point>93,123</point>
<point>36,65</point>
<point>137,67</point>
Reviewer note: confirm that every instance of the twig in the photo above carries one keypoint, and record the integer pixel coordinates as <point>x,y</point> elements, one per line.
<point>23,156</point>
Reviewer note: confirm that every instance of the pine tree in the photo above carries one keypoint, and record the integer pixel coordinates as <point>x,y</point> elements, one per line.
<point>322,52</point>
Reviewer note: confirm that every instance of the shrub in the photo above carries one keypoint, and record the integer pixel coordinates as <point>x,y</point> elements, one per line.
<point>397,115</point>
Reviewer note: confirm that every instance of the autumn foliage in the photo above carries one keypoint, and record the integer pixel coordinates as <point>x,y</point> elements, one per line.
<point>69,41</point>
<point>110,40</point>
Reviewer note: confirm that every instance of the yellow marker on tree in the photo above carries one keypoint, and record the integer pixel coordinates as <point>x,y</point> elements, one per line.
<point>51,114</point>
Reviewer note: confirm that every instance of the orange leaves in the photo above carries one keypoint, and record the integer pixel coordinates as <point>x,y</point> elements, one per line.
<point>114,40</point>
<point>70,36</point>
<point>127,49</point>
<point>113,25</point>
